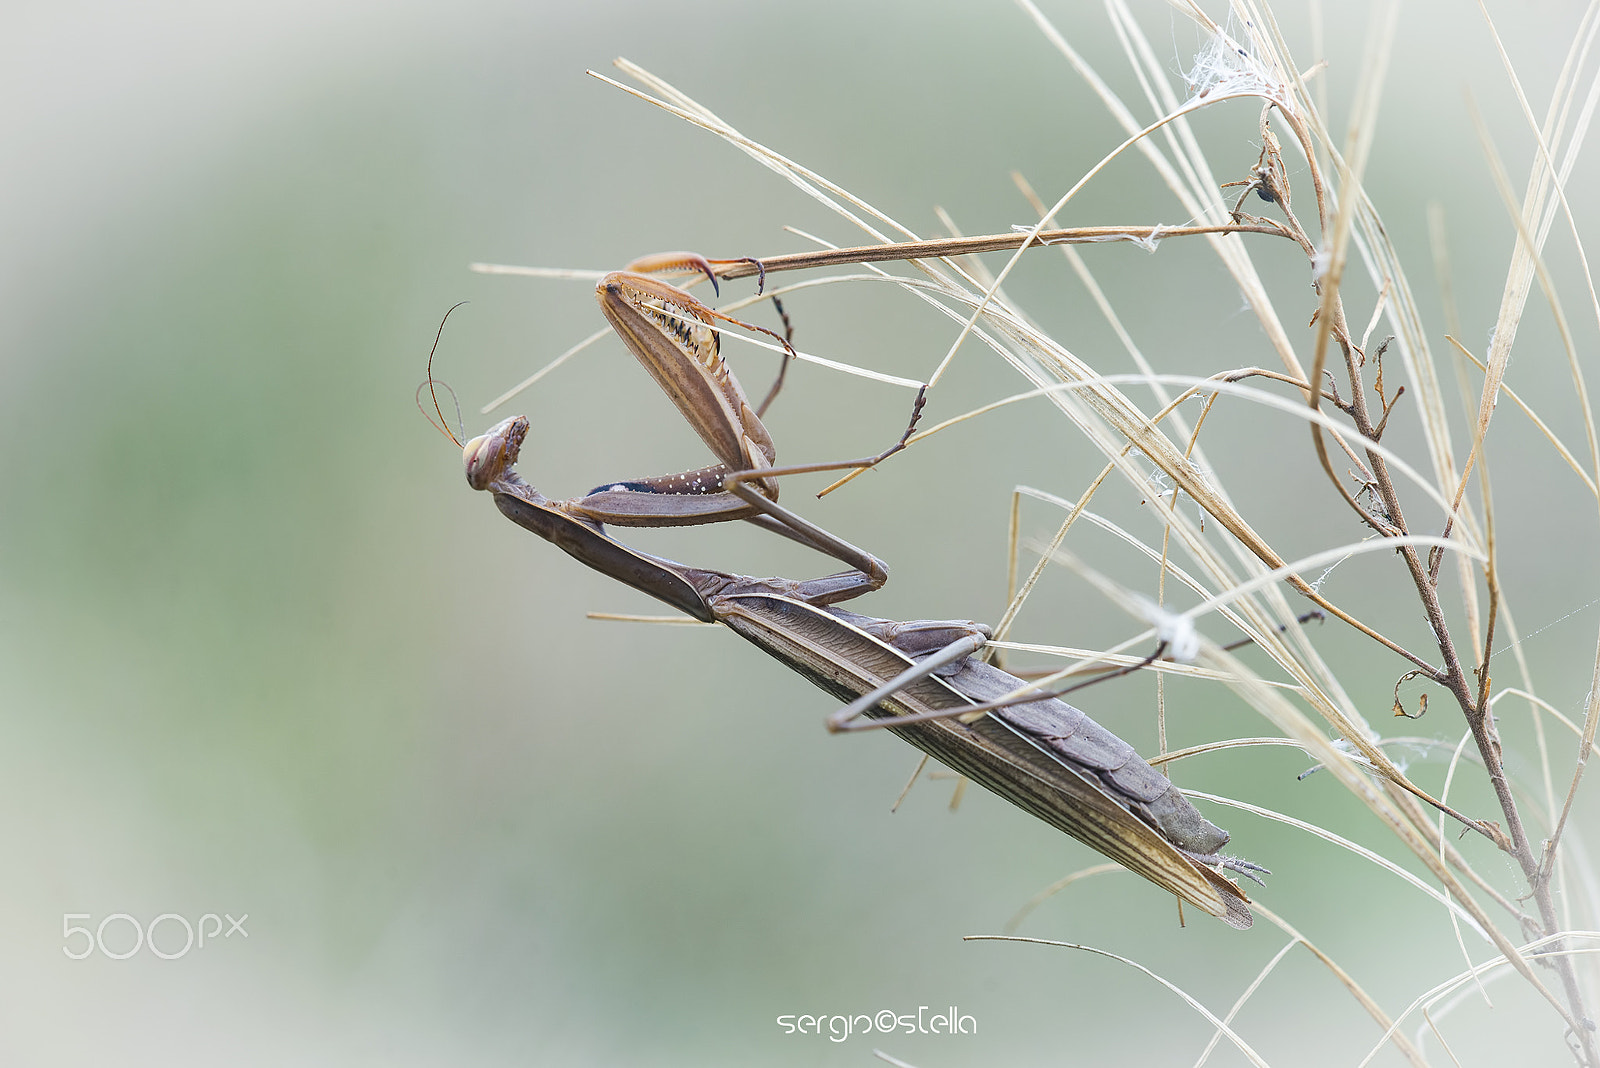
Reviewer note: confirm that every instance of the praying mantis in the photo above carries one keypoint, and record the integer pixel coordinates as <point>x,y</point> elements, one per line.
<point>917,678</point>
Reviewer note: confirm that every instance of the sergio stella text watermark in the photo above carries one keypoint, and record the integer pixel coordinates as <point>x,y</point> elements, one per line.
<point>839,1027</point>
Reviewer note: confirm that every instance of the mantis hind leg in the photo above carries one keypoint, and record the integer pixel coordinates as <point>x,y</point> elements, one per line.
<point>848,718</point>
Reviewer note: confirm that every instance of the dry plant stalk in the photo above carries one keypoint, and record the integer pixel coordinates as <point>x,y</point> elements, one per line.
<point>1338,387</point>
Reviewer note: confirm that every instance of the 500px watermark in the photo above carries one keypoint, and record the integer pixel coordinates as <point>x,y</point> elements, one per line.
<point>128,936</point>
<point>883,1022</point>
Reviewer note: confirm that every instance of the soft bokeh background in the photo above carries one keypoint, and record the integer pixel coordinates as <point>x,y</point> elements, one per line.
<point>263,652</point>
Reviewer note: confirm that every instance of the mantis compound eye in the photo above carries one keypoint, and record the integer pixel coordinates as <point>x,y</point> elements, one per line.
<point>489,456</point>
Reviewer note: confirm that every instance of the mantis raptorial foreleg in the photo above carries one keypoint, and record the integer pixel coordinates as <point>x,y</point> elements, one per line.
<point>673,336</point>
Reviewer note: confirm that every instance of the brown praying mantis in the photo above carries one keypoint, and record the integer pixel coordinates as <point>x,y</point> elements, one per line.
<point>919,679</point>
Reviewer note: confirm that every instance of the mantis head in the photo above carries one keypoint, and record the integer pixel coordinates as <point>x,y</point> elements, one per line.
<point>490,457</point>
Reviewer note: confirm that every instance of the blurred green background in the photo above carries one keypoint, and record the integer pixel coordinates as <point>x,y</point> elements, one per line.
<point>263,652</point>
